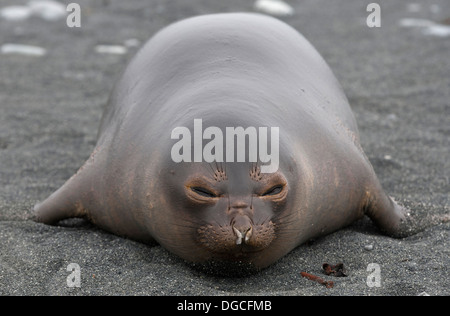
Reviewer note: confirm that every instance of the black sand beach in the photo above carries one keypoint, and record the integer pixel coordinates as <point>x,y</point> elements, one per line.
<point>396,77</point>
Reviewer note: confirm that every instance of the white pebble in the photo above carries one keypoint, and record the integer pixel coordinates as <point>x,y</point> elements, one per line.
<point>23,50</point>
<point>428,27</point>
<point>47,9</point>
<point>15,13</point>
<point>274,7</point>
<point>437,30</point>
<point>368,247</point>
<point>415,22</point>
<point>111,49</point>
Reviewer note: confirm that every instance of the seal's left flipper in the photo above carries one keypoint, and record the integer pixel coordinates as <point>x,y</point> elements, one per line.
<point>389,216</point>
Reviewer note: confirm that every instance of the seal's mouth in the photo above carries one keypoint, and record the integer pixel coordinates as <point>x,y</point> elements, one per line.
<point>234,243</point>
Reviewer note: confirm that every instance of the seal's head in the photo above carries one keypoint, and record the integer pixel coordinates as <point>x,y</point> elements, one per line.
<point>238,220</point>
<point>226,212</point>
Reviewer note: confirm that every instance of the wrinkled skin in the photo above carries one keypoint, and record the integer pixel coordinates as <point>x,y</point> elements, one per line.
<point>228,70</point>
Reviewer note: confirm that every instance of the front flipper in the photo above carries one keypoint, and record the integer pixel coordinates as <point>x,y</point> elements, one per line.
<point>63,203</point>
<point>389,216</point>
<point>70,200</point>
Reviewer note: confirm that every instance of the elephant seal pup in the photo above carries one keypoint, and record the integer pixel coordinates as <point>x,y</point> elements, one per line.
<point>205,78</point>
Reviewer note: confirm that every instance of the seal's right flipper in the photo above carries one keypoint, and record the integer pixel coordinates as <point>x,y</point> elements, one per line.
<point>68,201</point>
<point>61,204</point>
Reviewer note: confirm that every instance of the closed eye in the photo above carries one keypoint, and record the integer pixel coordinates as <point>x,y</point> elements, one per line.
<point>273,190</point>
<point>203,192</point>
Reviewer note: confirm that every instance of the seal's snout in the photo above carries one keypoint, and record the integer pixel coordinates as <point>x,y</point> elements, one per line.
<point>240,238</point>
<point>242,228</point>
